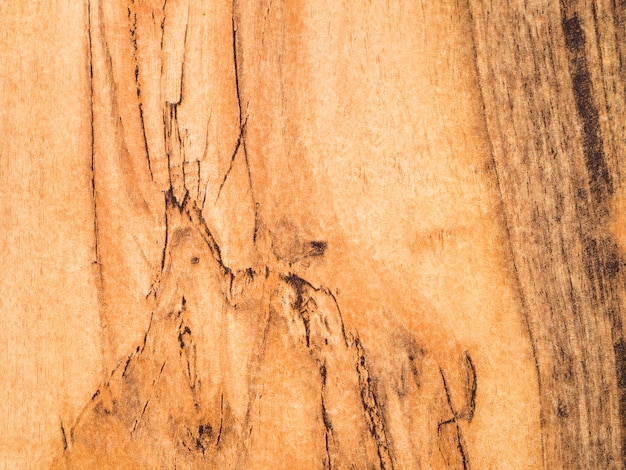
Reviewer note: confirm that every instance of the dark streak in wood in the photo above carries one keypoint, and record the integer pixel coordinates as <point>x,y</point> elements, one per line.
<point>371,408</point>
<point>557,182</point>
<point>93,152</point>
<point>455,420</point>
<point>601,183</point>
<point>133,39</point>
<point>242,122</point>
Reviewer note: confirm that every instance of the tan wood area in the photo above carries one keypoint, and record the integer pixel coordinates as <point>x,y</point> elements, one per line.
<point>301,234</point>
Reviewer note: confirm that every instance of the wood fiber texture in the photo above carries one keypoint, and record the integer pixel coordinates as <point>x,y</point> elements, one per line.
<point>312,234</point>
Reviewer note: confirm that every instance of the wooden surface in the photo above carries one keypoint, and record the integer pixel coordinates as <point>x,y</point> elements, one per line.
<point>312,234</point>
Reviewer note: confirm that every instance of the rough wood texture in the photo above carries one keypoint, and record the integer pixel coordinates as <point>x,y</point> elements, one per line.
<point>302,234</point>
<point>554,107</point>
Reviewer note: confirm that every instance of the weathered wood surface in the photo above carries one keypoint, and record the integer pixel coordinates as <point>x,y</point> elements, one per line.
<point>554,107</point>
<point>296,234</point>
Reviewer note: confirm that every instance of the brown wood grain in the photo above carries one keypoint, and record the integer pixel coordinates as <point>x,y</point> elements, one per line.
<point>554,110</point>
<point>297,234</point>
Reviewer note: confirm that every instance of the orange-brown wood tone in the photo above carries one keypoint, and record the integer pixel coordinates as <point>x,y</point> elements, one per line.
<point>312,234</point>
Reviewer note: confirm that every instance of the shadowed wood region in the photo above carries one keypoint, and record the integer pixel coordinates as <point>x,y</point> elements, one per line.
<point>312,234</point>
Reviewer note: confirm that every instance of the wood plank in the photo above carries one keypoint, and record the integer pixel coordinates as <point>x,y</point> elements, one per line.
<point>313,234</point>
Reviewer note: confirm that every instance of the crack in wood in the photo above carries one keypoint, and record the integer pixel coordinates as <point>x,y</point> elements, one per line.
<point>325,341</point>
